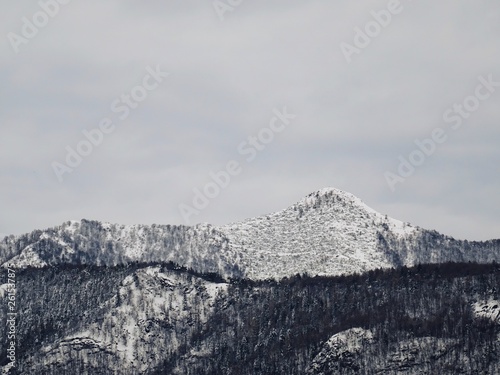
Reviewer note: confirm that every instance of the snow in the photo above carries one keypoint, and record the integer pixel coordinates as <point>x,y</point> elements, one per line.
<point>396,226</point>
<point>489,309</point>
<point>353,347</point>
<point>145,300</point>
<point>329,232</point>
<point>345,344</point>
<point>3,290</point>
<point>27,258</point>
<point>132,239</point>
<point>351,340</point>
<point>214,289</point>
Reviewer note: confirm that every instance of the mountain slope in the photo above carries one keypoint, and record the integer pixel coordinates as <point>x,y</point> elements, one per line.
<point>96,320</point>
<point>329,232</point>
<point>200,247</point>
<point>159,319</point>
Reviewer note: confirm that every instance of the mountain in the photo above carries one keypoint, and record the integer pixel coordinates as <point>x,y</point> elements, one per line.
<point>329,232</point>
<point>103,244</point>
<point>326,286</point>
<point>159,319</point>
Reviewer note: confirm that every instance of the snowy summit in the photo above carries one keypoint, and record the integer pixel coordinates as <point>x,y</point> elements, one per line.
<point>328,232</point>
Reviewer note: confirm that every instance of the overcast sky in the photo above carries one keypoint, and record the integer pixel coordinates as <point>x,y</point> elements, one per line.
<point>229,70</point>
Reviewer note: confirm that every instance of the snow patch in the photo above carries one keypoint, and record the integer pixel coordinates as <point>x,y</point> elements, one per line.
<point>214,289</point>
<point>3,290</point>
<point>27,258</point>
<point>351,340</point>
<point>487,309</point>
<point>329,232</point>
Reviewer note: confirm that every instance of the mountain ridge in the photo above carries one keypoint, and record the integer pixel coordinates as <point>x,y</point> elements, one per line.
<point>328,232</point>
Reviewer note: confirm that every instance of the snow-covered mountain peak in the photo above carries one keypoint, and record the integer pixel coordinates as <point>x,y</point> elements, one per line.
<point>340,201</point>
<point>330,194</point>
<point>326,196</point>
<point>331,197</point>
<point>328,232</point>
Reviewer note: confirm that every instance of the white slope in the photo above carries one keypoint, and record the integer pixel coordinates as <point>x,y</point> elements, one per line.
<point>329,232</point>
<point>27,258</point>
<point>152,307</point>
<point>341,351</point>
<point>489,309</point>
<point>356,348</point>
<point>91,242</point>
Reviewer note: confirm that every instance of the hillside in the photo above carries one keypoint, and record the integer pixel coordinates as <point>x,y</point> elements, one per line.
<point>162,319</point>
<point>329,232</point>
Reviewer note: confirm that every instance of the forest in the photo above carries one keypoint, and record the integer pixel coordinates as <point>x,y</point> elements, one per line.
<point>77,319</point>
